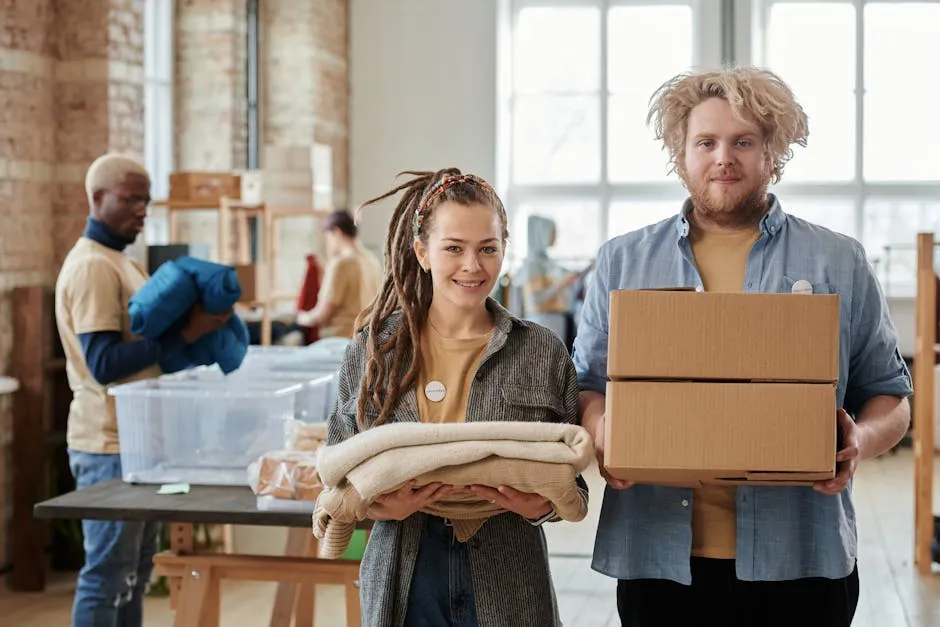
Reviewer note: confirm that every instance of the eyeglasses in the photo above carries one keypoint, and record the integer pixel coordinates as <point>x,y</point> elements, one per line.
<point>132,200</point>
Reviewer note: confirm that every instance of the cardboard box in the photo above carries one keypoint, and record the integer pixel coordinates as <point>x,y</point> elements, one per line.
<point>252,187</point>
<point>250,279</point>
<point>691,433</point>
<point>683,334</point>
<point>204,186</point>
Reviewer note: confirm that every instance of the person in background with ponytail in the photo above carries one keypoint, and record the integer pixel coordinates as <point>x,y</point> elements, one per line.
<point>433,323</point>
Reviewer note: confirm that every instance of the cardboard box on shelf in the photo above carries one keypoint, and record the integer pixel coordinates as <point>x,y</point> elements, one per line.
<point>204,186</point>
<point>250,279</point>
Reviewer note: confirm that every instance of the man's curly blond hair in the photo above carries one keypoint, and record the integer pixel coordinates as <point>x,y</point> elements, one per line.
<point>756,95</point>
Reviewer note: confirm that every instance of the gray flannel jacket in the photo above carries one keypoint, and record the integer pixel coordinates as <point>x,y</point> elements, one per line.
<point>524,375</point>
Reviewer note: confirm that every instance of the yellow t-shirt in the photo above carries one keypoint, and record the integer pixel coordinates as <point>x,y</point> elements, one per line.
<point>91,294</point>
<point>722,263</point>
<point>350,282</point>
<point>447,363</point>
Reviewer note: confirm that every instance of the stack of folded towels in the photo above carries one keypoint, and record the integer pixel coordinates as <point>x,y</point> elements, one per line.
<point>540,458</point>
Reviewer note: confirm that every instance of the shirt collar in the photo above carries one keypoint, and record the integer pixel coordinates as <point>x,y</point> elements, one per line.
<point>96,231</point>
<point>770,224</point>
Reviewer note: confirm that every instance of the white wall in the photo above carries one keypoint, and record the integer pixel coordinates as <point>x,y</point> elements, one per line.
<point>423,95</point>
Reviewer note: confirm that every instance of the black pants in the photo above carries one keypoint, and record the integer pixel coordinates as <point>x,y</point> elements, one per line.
<point>716,596</point>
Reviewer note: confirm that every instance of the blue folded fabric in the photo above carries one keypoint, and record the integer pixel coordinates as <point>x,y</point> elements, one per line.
<point>217,283</point>
<point>164,302</point>
<point>165,298</point>
<point>226,347</point>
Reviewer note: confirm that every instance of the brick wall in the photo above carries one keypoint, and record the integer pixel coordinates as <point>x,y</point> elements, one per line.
<point>305,99</point>
<point>27,188</point>
<point>305,78</point>
<point>70,89</point>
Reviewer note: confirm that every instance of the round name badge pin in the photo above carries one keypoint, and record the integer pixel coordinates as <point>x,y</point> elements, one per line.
<point>435,391</point>
<point>802,287</point>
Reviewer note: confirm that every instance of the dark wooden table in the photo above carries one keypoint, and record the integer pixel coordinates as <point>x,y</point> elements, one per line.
<point>116,500</point>
<point>195,577</point>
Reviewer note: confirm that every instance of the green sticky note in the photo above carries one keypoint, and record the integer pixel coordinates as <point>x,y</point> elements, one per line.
<point>174,488</point>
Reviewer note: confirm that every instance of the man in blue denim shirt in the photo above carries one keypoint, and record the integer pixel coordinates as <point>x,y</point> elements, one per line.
<point>749,555</point>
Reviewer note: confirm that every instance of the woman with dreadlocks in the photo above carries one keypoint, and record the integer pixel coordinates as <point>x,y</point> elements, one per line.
<point>434,347</point>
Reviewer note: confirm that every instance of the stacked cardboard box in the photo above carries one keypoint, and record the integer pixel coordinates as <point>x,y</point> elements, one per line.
<point>721,388</point>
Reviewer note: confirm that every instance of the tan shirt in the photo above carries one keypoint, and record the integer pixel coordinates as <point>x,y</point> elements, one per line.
<point>350,282</point>
<point>450,362</point>
<point>722,262</point>
<point>92,291</point>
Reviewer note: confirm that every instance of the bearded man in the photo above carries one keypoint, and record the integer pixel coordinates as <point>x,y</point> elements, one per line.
<point>754,555</point>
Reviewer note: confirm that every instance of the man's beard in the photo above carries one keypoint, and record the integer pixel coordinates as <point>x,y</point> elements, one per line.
<point>735,208</point>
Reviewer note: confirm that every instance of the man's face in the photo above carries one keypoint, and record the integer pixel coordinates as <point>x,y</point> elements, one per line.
<point>725,167</point>
<point>123,208</point>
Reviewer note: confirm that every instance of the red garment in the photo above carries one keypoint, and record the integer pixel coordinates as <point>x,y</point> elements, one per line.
<point>307,298</point>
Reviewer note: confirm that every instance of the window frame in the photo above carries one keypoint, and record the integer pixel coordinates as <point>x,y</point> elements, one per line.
<point>858,189</point>
<point>736,33</point>
<point>707,48</point>
<point>159,68</point>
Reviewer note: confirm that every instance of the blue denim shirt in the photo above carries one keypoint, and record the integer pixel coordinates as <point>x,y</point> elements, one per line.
<point>782,532</point>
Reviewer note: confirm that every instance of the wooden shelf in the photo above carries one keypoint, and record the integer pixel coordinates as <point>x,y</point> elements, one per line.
<point>925,359</point>
<point>233,209</point>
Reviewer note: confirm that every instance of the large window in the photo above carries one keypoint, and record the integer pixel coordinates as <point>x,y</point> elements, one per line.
<point>870,169</point>
<point>158,112</point>
<point>158,94</point>
<point>579,75</point>
<point>580,152</point>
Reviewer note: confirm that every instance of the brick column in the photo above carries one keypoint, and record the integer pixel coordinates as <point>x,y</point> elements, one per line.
<point>99,99</point>
<point>70,90</point>
<point>305,79</point>
<point>210,85</point>
<point>27,167</point>
<point>305,100</point>
<point>210,94</point>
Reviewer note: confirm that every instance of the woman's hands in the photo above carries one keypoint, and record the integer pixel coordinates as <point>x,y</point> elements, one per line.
<point>407,500</point>
<point>526,504</point>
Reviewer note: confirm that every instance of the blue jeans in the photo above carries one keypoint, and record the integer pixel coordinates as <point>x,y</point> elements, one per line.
<point>441,593</point>
<point>118,556</point>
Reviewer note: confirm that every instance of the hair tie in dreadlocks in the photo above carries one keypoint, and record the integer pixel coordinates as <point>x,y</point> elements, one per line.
<point>436,190</point>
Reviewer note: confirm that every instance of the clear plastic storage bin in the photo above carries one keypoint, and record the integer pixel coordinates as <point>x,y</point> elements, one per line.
<point>314,400</point>
<point>201,432</point>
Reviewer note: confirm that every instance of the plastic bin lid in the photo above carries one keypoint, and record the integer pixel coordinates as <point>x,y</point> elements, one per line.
<point>203,388</point>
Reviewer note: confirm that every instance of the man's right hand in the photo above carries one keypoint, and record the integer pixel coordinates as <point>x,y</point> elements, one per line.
<point>618,484</point>
<point>202,323</point>
<point>407,500</point>
<point>591,406</point>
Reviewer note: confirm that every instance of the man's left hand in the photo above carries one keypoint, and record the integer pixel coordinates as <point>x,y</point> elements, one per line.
<point>527,505</point>
<point>846,458</point>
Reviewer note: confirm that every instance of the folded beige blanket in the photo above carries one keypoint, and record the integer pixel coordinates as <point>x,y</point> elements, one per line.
<point>541,458</point>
